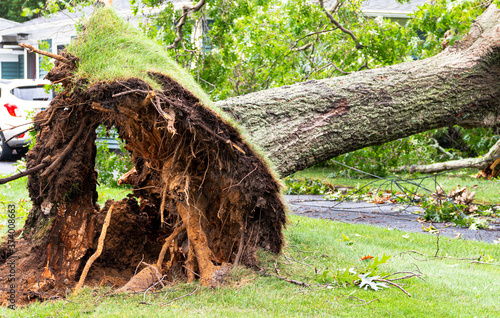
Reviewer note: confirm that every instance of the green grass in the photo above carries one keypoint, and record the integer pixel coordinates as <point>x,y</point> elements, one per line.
<point>487,191</point>
<point>452,288</point>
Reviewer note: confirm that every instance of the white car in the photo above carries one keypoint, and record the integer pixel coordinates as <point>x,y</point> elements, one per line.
<point>20,100</point>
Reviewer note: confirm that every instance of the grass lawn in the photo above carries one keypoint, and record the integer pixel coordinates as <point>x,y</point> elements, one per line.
<point>487,191</point>
<point>452,287</point>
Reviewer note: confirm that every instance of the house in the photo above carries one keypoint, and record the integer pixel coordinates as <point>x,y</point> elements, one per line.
<point>8,47</point>
<point>397,12</point>
<point>50,34</point>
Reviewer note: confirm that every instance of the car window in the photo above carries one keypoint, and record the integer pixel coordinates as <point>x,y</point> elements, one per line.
<point>35,93</point>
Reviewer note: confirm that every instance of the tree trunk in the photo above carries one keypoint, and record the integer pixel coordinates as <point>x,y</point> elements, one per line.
<point>307,123</point>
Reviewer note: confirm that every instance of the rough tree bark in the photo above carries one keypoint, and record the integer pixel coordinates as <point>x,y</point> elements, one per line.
<point>307,123</point>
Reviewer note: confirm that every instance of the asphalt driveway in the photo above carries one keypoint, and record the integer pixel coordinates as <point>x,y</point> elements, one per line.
<point>384,215</point>
<point>7,167</point>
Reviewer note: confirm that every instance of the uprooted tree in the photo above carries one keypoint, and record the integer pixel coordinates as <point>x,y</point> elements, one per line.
<point>203,197</point>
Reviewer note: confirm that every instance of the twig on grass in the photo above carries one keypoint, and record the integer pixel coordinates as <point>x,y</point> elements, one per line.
<point>362,300</point>
<point>429,258</point>
<point>144,302</point>
<point>437,244</point>
<point>410,274</point>
<point>186,295</point>
<point>296,282</point>
<point>393,284</point>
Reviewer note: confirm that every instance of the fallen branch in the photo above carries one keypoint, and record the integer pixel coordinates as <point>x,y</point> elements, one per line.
<point>150,287</point>
<point>186,295</point>
<point>31,48</point>
<point>479,163</point>
<point>296,282</point>
<point>362,300</point>
<point>393,284</point>
<point>97,253</point>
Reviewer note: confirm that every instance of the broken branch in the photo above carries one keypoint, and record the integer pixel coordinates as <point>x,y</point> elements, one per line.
<point>31,48</point>
<point>186,295</point>
<point>479,163</point>
<point>182,20</point>
<point>24,173</point>
<point>393,284</point>
<point>338,25</point>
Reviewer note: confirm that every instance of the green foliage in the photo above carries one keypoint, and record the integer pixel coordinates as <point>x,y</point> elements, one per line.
<point>448,211</point>
<point>110,165</point>
<point>442,212</point>
<point>24,10</point>
<point>237,47</point>
<point>441,21</point>
<point>13,9</point>
<point>46,63</point>
<point>261,44</point>
<point>307,186</point>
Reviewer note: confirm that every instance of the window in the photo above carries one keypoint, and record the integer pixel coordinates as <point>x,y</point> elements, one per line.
<point>32,93</point>
<point>45,45</point>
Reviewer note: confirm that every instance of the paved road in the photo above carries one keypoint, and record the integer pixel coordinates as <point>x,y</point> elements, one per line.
<point>384,215</point>
<point>7,167</point>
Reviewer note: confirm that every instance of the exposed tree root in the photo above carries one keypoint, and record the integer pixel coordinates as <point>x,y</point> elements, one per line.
<point>97,253</point>
<point>168,242</point>
<point>200,193</point>
<point>147,277</point>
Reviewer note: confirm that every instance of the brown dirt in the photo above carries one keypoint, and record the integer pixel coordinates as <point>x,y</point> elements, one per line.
<point>191,169</point>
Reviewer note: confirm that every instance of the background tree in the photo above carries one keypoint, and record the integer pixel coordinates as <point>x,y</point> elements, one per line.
<point>251,45</point>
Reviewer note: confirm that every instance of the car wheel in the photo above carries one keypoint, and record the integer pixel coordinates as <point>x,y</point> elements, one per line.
<point>22,151</point>
<point>5,149</point>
